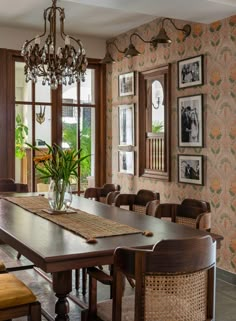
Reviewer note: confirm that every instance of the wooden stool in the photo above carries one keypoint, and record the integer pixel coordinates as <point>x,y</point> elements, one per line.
<point>17,300</point>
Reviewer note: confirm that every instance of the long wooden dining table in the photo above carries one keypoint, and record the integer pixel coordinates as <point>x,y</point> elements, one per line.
<point>58,251</point>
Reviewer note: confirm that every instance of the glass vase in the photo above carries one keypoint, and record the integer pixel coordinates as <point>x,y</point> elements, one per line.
<point>59,195</point>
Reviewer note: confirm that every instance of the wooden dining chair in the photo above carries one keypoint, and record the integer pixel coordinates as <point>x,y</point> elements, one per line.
<point>16,299</point>
<point>191,212</point>
<point>136,202</point>
<point>9,185</point>
<point>100,193</point>
<point>175,281</point>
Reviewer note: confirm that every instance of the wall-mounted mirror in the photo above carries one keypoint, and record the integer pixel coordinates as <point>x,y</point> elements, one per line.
<point>154,123</point>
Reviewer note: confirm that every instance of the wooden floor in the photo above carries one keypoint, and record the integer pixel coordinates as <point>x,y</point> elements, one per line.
<point>225,292</point>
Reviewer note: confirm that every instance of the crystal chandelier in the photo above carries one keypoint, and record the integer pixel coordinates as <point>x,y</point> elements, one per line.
<point>56,65</point>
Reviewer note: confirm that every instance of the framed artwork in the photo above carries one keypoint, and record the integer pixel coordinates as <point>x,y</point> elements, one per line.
<point>190,72</point>
<point>126,84</point>
<point>190,169</point>
<point>126,162</point>
<point>126,124</point>
<point>190,121</point>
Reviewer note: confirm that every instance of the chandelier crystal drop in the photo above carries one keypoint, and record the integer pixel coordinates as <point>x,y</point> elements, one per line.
<point>56,65</point>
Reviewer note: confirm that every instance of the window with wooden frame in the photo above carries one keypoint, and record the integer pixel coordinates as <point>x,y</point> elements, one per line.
<point>71,116</point>
<point>154,123</point>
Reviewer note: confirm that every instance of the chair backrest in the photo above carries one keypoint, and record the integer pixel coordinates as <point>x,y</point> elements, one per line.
<point>152,208</point>
<point>100,193</point>
<point>174,281</point>
<point>9,185</point>
<point>204,205</point>
<point>186,213</point>
<point>136,202</point>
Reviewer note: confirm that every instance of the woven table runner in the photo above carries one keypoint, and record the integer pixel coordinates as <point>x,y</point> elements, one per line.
<point>84,224</point>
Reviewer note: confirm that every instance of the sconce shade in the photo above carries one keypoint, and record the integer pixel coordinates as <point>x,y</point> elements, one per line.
<point>107,59</point>
<point>131,51</point>
<point>162,37</point>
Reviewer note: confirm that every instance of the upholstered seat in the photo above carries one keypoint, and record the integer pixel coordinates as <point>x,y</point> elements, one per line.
<point>175,281</point>
<point>17,300</point>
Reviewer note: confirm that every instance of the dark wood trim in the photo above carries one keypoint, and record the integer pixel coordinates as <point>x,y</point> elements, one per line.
<point>144,124</point>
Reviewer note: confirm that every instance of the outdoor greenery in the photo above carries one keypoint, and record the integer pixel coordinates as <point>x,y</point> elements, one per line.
<point>70,137</point>
<point>21,133</point>
<point>157,127</point>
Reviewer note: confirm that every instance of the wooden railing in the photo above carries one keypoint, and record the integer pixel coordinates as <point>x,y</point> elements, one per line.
<point>155,152</point>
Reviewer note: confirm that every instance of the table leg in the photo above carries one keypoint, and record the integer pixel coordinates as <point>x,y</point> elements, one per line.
<point>62,286</point>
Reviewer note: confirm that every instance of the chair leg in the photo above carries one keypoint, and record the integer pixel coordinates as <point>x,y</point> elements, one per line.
<point>84,281</point>
<point>77,276</point>
<point>35,312</point>
<point>18,255</point>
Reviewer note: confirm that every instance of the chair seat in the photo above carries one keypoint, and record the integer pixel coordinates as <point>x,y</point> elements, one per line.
<point>104,309</point>
<point>2,267</point>
<point>13,292</point>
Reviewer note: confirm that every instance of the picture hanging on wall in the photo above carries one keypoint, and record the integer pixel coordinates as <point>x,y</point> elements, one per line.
<point>126,124</point>
<point>190,121</point>
<point>190,169</point>
<point>190,72</point>
<point>126,84</point>
<point>126,162</point>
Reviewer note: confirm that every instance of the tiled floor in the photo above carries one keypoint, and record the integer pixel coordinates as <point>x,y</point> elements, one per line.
<point>225,294</point>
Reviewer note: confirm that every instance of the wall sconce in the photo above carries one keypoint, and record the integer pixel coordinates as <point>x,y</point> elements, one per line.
<point>108,58</point>
<point>162,37</point>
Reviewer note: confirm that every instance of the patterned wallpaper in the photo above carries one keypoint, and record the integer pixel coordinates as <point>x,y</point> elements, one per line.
<point>217,42</point>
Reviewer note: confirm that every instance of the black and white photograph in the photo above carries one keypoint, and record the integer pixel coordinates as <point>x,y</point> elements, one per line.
<point>126,84</point>
<point>126,162</point>
<point>190,72</point>
<point>190,121</point>
<point>190,169</point>
<point>126,124</point>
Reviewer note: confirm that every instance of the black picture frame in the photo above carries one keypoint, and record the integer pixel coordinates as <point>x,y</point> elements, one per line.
<point>190,121</point>
<point>190,72</point>
<point>126,84</point>
<point>190,169</point>
<point>126,162</point>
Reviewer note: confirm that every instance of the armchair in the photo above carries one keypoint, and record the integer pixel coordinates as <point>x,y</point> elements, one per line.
<point>174,281</point>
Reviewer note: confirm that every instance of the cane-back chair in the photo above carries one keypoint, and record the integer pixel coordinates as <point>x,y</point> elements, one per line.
<point>100,193</point>
<point>136,202</point>
<point>174,282</point>
<point>191,212</point>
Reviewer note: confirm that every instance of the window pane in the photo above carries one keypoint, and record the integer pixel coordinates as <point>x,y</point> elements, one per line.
<point>23,134</point>
<point>157,107</point>
<point>87,143</point>
<point>23,90</point>
<point>69,94</point>
<point>87,92</point>
<point>70,138</point>
<point>42,93</point>
<point>43,125</point>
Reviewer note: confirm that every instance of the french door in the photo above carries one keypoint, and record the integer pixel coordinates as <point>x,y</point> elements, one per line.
<point>71,116</point>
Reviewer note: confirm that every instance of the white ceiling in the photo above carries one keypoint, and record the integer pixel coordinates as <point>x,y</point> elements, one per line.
<point>109,18</point>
